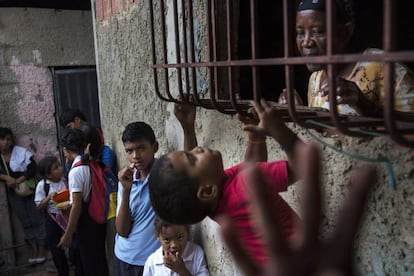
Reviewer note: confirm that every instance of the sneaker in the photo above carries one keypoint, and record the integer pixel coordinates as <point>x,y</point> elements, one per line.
<point>32,260</point>
<point>41,260</point>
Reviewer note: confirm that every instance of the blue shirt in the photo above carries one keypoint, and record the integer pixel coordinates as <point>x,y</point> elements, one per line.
<point>141,241</point>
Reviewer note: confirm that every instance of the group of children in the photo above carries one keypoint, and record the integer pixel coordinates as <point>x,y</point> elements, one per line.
<point>159,198</point>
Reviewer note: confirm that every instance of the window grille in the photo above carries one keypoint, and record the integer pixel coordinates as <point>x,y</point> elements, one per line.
<point>182,64</point>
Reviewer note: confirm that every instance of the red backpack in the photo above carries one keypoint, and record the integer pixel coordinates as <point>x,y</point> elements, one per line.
<point>104,189</point>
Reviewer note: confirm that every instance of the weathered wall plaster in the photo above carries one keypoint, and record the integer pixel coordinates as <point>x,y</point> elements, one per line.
<point>31,41</point>
<point>385,242</point>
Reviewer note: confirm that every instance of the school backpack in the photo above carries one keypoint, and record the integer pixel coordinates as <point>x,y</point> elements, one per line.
<point>104,191</point>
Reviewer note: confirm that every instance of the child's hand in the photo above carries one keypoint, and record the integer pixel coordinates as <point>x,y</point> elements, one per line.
<point>65,241</point>
<point>51,196</point>
<point>185,114</point>
<point>175,263</point>
<point>270,122</point>
<point>307,254</point>
<point>251,118</point>
<point>125,176</point>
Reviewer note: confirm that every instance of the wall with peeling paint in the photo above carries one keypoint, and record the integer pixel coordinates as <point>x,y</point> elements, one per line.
<point>385,242</point>
<point>31,41</point>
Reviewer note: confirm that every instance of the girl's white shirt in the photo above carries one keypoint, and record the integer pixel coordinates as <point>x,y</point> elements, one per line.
<point>79,180</point>
<point>53,187</point>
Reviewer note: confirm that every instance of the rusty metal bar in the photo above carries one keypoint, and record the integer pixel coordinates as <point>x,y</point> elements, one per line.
<point>177,48</point>
<point>253,31</point>
<point>347,58</point>
<point>214,92</point>
<point>192,50</point>
<point>388,45</point>
<point>154,55</point>
<point>288,23</point>
<point>396,123</point>
<point>232,92</point>
<point>185,55</point>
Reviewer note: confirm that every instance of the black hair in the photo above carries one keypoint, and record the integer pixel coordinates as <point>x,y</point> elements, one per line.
<point>159,224</point>
<point>138,130</point>
<point>73,140</point>
<point>45,164</point>
<point>173,194</point>
<point>69,115</point>
<point>4,131</point>
<point>93,138</point>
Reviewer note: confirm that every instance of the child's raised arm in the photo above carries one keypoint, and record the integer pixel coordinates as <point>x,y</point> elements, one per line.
<point>256,150</point>
<point>271,124</point>
<point>186,114</point>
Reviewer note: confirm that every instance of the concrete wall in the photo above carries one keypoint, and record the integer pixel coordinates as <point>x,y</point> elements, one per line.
<point>32,40</point>
<point>386,240</point>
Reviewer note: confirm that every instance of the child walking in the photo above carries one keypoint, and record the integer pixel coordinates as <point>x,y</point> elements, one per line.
<point>177,256</point>
<point>89,241</point>
<point>52,181</point>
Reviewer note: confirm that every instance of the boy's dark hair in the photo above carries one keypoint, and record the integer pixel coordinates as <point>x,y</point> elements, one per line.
<point>173,194</point>
<point>45,165</point>
<point>73,140</point>
<point>4,131</point>
<point>159,223</point>
<point>69,115</point>
<point>138,130</point>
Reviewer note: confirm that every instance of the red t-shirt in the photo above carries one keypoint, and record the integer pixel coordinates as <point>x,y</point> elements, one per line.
<point>234,204</point>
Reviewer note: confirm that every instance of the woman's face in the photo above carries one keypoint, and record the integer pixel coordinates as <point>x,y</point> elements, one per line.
<point>311,35</point>
<point>311,38</point>
<point>6,143</point>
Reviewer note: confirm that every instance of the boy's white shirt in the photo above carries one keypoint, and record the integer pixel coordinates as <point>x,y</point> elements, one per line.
<point>193,257</point>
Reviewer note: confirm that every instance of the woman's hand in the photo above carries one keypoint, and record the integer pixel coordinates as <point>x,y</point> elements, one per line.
<point>283,97</point>
<point>10,181</point>
<point>347,92</point>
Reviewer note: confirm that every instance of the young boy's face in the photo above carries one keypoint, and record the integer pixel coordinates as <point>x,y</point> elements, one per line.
<point>140,153</point>
<point>201,163</point>
<point>173,239</point>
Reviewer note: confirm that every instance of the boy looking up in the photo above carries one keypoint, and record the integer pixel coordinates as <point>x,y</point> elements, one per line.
<point>187,186</point>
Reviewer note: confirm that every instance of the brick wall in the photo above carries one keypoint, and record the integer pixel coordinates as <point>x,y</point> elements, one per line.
<point>106,8</point>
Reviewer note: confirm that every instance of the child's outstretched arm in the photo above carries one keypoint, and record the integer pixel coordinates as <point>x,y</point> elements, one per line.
<point>256,150</point>
<point>271,124</point>
<point>186,114</point>
<point>307,254</point>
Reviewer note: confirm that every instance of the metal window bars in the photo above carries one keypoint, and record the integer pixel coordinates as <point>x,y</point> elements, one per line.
<point>184,64</point>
